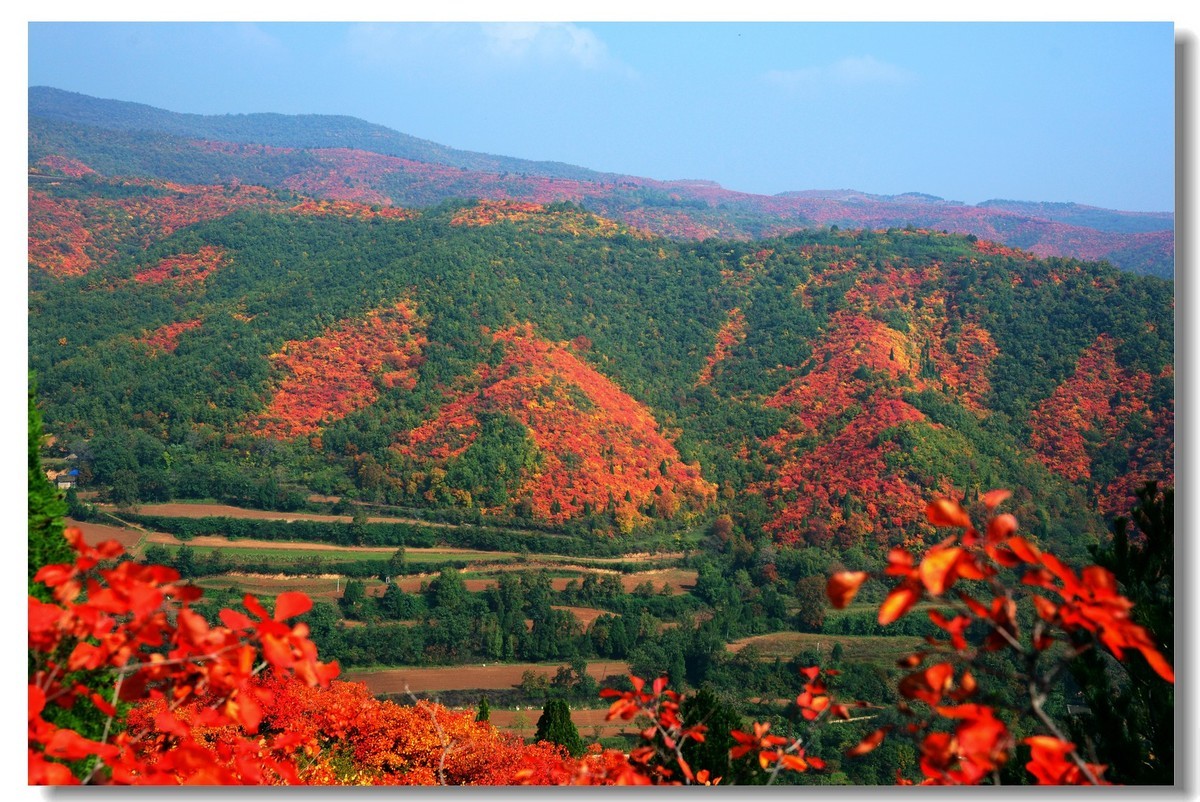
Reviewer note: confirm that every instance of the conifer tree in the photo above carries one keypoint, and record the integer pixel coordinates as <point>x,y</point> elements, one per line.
<point>485,710</point>
<point>555,726</point>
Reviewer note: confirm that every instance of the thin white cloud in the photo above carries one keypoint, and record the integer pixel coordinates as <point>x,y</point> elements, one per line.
<point>488,46</point>
<point>553,42</point>
<point>850,72</point>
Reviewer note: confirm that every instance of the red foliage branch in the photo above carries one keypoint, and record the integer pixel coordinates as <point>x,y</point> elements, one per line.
<point>1075,611</point>
<point>133,622</point>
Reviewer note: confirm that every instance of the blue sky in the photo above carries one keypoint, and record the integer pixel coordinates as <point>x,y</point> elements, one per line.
<point>1078,112</point>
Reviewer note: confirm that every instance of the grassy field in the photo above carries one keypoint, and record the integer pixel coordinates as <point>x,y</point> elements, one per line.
<point>430,679</point>
<point>283,551</point>
<point>855,648</point>
<point>326,588</point>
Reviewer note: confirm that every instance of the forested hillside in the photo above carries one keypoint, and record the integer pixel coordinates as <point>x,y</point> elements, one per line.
<point>508,426</point>
<point>198,341</point>
<point>342,158</point>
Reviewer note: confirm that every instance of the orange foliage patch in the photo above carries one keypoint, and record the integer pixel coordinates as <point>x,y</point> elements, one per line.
<point>185,268</point>
<point>330,376</point>
<point>1102,397</point>
<point>62,165</point>
<point>166,338</point>
<point>346,174</point>
<point>354,739</point>
<point>345,208</point>
<point>1098,396</point>
<point>851,464</point>
<point>599,447</point>
<point>732,332</point>
<point>576,223</point>
<point>70,236</point>
<point>996,249</point>
<point>831,472</point>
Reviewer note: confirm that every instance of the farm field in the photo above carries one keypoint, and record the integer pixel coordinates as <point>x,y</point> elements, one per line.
<point>425,680</point>
<point>590,722</point>
<point>187,510</point>
<point>858,648</point>
<point>203,544</point>
<point>325,588</point>
<point>95,533</point>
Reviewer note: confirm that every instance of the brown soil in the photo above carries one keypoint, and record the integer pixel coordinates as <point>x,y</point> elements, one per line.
<point>97,533</point>
<point>585,615</point>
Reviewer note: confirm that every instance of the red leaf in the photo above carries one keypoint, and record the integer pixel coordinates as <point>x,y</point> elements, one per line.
<point>37,701</point>
<point>254,607</point>
<point>928,685</point>
<point>70,745</point>
<point>103,705</point>
<point>944,512</point>
<point>898,602</point>
<point>843,586</point>
<point>290,604</point>
<point>1158,663</point>
<point>1001,527</point>
<point>53,575</point>
<point>277,652</point>
<point>235,620</point>
<point>869,743</point>
<point>1024,550</point>
<point>993,498</point>
<point>936,570</point>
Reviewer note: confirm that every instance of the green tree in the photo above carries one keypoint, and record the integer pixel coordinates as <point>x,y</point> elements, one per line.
<point>721,718</point>
<point>485,710</point>
<point>46,507</point>
<point>810,610</point>
<point>396,563</point>
<point>1130,716</point>
<point>353,598</point>
<point>555,726</point>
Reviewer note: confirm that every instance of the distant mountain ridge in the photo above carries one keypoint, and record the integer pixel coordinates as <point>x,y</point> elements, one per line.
<point>379,165</point>
<point>281,130</point>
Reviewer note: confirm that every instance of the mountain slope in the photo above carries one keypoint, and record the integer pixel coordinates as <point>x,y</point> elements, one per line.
<point>345,158</point>
<point>540,362</point>
<point>278,130</point>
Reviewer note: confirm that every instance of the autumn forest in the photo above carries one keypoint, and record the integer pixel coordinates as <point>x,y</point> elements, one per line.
<point>784,491</point>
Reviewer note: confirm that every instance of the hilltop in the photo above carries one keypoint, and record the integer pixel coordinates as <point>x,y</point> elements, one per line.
<point>343,158</point>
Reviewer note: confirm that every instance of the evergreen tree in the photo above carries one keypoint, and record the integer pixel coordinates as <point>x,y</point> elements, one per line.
<point>396,563</point>
<point>705,707</point>
<point>485,710</point>
<point>555,726</point>
<point>1130,718</point>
